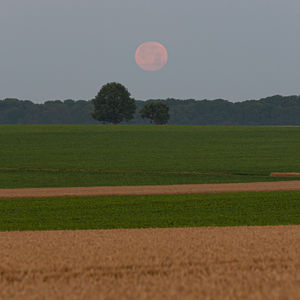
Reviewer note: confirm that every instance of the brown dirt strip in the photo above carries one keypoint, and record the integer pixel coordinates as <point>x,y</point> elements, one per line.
<point>285,174</point>
<point>185,263</point>
<point>152,189</point>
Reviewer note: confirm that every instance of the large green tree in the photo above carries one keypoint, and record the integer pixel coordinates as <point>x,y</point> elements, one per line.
<point>113,104</point>
<point>157,112</point>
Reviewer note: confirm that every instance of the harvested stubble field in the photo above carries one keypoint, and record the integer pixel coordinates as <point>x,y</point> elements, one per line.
<point>190,263</point>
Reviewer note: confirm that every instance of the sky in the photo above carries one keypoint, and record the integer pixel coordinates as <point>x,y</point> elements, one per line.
<point>230,49</point>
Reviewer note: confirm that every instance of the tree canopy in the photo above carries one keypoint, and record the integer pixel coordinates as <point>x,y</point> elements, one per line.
<point>113,104</point>
<point>157,112</point>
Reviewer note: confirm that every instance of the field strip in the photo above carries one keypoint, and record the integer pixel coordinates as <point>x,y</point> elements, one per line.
<point>101,171</point>
<point>175,263</point>
<point>152,189</point>
<point>285,174</point>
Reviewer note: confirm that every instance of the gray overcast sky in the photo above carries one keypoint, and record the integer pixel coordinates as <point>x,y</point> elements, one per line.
<point>232,49</point>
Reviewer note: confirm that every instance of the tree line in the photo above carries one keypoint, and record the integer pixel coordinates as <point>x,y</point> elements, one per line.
<point>275,110</point>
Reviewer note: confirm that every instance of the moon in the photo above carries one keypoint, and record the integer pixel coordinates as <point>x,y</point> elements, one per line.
<point>151,56</point>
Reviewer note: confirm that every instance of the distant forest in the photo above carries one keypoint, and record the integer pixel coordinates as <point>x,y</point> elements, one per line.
<point>275,110</point>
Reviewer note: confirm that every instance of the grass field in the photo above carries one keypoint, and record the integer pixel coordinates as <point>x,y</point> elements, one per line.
<point>79,155</point>
<point>279,208</point>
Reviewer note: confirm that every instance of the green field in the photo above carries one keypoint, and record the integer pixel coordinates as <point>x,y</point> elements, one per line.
<point>91,155</point>
<point>150,211</point>
<point>76,155</point>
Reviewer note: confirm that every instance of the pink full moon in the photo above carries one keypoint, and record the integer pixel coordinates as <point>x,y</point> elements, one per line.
<point>151,56</point>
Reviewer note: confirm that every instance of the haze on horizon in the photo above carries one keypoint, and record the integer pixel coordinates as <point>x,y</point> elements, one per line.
<point>230,49</point>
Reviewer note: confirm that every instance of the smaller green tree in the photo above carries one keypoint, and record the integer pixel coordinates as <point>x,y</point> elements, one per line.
<point>113,104</point>
<point>157,112</point>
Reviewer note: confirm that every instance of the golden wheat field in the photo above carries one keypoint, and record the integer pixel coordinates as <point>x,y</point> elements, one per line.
<point>183,263</point>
